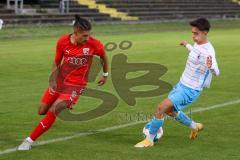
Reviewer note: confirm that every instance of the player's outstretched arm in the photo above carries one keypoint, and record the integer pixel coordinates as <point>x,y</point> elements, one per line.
<point>187,45</point>
<point>183,43</point>
<point>104,63</point>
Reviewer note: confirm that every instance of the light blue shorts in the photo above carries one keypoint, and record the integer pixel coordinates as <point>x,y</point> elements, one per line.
<point>181,96</point>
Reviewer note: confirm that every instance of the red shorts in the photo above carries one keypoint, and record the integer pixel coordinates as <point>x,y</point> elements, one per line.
<point>50,96</point>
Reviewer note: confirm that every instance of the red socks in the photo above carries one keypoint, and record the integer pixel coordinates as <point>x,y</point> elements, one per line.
<point>43,126</point>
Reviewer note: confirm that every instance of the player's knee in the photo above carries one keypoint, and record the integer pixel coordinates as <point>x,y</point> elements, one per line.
<point>164,107</point>
<point>159,111</point>
<point>172,114</point>
<point>58,107</point>
<point>42,110</point>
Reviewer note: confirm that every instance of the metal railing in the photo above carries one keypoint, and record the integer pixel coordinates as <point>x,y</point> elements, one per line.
<point>64,6</point>
<point>18,5</point>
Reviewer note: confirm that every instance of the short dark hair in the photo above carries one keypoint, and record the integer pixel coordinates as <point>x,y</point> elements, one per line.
<point>201,23</point>
<point>82,23</point>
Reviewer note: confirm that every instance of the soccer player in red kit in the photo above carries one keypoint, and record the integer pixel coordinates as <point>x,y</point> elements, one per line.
<point>74,53</point>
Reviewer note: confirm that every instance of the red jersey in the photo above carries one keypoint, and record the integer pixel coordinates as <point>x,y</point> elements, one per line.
<point>76,59</point>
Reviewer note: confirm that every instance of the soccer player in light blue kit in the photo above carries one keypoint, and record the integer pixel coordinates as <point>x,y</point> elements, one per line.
<point>200,66</point>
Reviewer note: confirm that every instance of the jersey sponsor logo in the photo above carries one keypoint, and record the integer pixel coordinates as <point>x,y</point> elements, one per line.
<point>86,51</point>
<point>77,61</point>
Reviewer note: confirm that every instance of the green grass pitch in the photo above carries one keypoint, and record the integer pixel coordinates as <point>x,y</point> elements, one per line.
<point>26,55</point>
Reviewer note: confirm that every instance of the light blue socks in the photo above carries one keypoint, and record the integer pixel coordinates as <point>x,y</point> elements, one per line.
<point>185,120</point>
<point>155,125</point>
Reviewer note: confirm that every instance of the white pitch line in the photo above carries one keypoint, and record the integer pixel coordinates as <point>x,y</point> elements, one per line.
<point>216,106</point>
<point>39,143</point>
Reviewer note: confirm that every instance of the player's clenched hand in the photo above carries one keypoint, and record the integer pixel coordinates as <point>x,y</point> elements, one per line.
<point>209,62</point>
<point>102,81</point>
<point>183,43</point>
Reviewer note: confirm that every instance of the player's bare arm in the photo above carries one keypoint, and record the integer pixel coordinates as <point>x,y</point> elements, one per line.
<point>53,75</point>
<point>104,76</point>
<point>183,43</point>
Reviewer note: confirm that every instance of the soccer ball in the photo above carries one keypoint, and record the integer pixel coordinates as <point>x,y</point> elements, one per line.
<point>146,132</point>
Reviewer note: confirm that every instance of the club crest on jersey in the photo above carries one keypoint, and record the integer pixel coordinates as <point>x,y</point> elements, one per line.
<point>85,51</point>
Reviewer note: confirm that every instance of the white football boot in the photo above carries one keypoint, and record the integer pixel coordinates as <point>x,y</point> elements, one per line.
<point>26,145</point>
